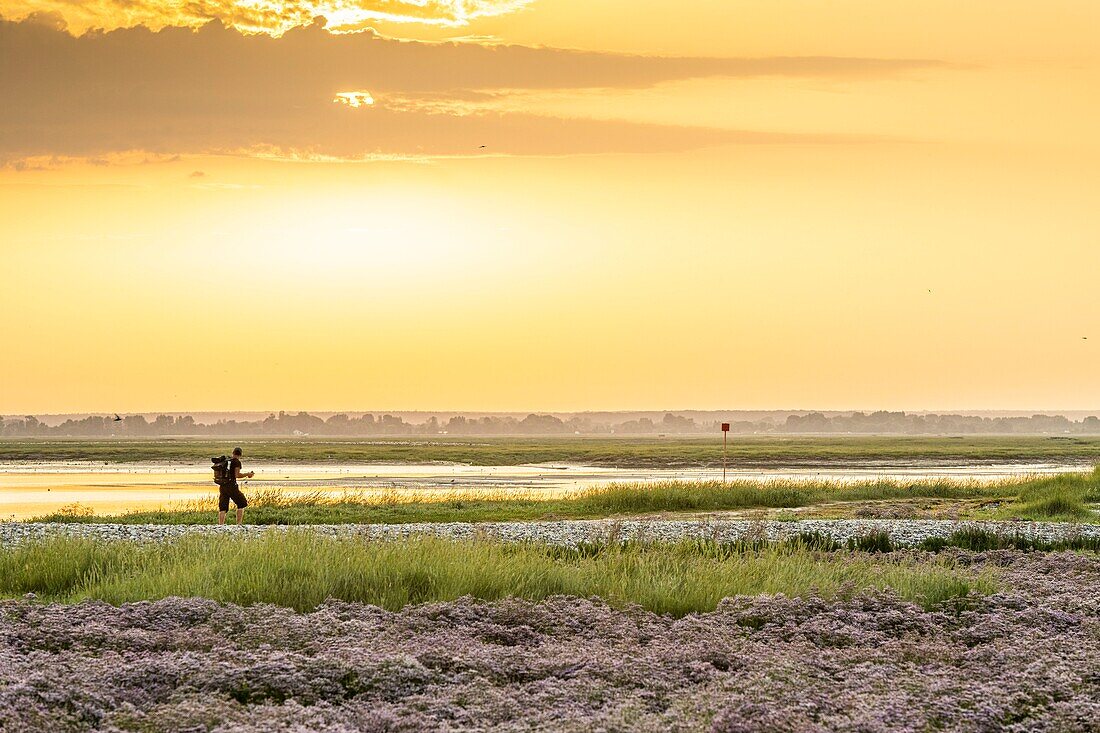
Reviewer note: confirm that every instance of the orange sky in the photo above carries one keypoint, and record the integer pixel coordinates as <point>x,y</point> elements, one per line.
<point>696,204</point>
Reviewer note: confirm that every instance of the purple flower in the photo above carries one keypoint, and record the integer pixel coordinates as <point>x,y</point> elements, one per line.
<point>1025,659</point>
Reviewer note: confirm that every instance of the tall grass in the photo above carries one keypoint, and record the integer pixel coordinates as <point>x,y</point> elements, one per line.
<point>301,570</point>
<point>641,498</point>
<point>1066,497</point>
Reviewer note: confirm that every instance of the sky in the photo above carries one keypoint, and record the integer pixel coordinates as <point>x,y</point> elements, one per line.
<point>549,205</point>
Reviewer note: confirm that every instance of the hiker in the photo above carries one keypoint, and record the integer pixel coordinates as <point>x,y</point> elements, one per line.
<point>229,489</point>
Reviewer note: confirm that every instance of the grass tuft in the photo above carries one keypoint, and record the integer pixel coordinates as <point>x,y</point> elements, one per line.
<point>876,540</point>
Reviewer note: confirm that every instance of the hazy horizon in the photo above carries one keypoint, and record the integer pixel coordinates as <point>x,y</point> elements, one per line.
<point>1074,412</point>
<point>211,416</point>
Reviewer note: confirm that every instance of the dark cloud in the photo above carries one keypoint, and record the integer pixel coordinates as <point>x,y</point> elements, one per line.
<point>182,91</point>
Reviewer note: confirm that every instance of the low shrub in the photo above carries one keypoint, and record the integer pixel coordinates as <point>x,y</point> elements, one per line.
<point>876,540</point>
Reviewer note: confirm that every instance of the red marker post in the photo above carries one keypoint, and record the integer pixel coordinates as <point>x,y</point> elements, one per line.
<point>725,432</point>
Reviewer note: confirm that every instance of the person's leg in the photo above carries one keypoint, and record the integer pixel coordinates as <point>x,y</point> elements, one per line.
<point>240,502</point>
<point>223,504</point>
<point>221,517</point>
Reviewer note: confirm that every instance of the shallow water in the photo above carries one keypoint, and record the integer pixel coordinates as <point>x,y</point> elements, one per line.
<point>33,488</point>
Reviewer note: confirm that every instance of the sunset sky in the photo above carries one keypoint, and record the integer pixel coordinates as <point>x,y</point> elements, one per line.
<point>549,204</point>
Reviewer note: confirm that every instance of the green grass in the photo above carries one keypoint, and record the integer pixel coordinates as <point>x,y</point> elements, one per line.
<point>1065,497</point>
<point>980,540</point>
<point>301,570</point>
<point>639,452</point>
<point>694,496</point>
<point>626,499</point>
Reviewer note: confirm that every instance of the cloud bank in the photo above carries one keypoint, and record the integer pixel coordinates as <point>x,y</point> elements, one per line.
<point>178,91</point>
<point>273,17</point>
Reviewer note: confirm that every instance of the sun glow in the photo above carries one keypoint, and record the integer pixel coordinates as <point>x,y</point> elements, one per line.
<point>271,17</point>
<point>355,100</point>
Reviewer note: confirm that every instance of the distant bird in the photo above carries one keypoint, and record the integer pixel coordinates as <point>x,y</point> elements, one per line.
<point>117,418</point>
<point>481,146</point>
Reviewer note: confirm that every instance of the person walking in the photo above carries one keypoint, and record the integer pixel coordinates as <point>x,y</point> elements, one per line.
<point>231,490</point>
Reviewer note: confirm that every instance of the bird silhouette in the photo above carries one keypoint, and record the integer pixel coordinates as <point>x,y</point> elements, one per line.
<point>481,146</point>
<point>117,418</point>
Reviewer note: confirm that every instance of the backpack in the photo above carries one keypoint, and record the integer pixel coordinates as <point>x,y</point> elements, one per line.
<point>222,476</point>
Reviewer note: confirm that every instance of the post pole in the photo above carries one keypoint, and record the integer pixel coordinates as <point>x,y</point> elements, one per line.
<point>725,432</point>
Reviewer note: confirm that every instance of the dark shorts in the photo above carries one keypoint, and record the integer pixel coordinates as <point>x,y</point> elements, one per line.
<point>233,491</point>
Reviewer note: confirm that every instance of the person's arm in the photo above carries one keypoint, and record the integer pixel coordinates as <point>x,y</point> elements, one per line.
<point>241,474</point>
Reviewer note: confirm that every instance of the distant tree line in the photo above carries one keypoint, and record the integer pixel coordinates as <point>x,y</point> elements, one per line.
<point>906,424</point>
<point>305,424</point>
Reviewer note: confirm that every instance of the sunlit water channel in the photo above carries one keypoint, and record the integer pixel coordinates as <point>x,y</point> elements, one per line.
<point>34,488</point>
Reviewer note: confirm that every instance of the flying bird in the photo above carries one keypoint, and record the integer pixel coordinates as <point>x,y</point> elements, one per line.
<point>117,418</point>
<point>481,146</point>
